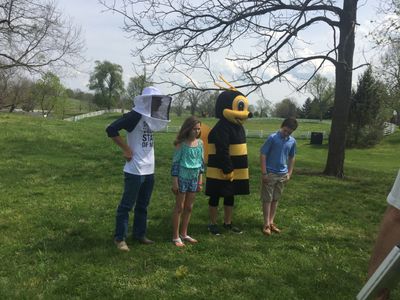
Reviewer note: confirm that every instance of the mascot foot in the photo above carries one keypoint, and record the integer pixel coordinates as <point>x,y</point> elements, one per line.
<point>213,229</point>
<point>232,228</point>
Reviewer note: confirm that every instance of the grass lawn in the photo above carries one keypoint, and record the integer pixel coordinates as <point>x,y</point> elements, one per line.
<point>61,182</point>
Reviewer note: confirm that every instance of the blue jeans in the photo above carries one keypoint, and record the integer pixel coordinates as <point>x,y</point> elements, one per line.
<point>137,193</point>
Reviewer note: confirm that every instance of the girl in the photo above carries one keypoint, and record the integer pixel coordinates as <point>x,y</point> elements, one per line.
<point>187,169</point>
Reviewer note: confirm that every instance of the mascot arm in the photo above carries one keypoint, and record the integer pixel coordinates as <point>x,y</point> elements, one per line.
<point>222,152</point>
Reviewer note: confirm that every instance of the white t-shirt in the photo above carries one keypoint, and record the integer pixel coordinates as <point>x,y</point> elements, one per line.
<point>140,140</point>
<point>394,196</point>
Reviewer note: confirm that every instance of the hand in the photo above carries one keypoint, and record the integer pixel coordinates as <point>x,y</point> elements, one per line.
<point>174,191</point>
<point>175,187</point>
<point>128,154</point>
<point>199,187</point>
<point>286,177</point>
<point>228,176</point>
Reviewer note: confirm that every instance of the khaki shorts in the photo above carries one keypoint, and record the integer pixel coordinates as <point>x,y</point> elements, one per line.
<point>273,188</point>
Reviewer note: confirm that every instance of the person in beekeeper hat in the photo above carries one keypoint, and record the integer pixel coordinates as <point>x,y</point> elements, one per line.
<point>150,113</point>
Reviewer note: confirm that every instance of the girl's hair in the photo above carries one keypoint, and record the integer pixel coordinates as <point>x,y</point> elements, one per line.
<point>185,130</point>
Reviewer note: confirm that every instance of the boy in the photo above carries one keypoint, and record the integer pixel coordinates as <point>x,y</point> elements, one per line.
<point>150,113</point>
<point>277,157</point>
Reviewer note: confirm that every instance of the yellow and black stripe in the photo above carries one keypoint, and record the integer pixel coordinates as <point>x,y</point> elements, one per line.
<point>227,152</point>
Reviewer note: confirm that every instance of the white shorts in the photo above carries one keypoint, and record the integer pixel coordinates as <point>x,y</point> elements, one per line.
<point>394,196</point>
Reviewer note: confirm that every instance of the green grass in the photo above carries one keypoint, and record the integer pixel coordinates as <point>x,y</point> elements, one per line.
<point>61,182</point>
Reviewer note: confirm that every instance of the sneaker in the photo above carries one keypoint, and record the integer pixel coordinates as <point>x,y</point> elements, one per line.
<point>232,228</point>
<point>267,230</point>
<point>213,229</point>
<point>274,228</point>
<point>121,245</point>
<point>145,241</point>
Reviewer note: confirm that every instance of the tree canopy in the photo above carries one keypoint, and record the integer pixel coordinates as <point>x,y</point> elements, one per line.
<point>106,81</point>
<point>261,38</point>
<point>34,35</point>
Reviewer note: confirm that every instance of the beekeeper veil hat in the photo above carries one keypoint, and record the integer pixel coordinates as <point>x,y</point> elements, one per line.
<point>154,107</point>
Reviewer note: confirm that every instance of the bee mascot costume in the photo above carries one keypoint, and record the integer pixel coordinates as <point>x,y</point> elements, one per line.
<point>227,168</point>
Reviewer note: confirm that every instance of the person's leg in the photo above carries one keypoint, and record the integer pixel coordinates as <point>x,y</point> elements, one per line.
<point>272,211</point>
<point>266,207</point>
<point>267,190</point>
<point>228,209</point>
<point>388,237</point>
<point>213,209</point>
<point>176,216</point>
<point>228,213</point>
<point>131,191</point>
<point>276,195</point>
<point>213,212</point>
<point>187,212</point>
<point>142,202</point>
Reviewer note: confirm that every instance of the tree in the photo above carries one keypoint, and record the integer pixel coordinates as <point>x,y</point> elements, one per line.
<point>263,107</point>
<point>365,125</point>
<point>34,35</point>
<point>178,103</point>
<point>323,91</point>
<point>47,92</point>
<point>387,29</point>
<point>193,98</point>
<point>6,77</point>
<point>106,81</point>
<point>272,30</point>
<point>207,104</point>
<point>137,84</point>
<point>287,108</point>
<point>390,71</point>
<point>305,111</point>
<point>20,93</point>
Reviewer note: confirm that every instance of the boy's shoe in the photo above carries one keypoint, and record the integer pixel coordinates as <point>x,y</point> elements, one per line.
<point>145,241</point>
<point>266,231</point>
<point>121,245</point>
<point>213,229</point>
<point>274,228</point>
<point>232,228</point>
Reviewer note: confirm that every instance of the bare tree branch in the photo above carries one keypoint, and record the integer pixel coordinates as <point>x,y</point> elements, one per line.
<point>34,35</point>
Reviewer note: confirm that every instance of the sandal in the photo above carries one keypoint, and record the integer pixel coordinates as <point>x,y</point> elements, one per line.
<point>189,239</point>
<point>178,242</point>
<point>274,228</point>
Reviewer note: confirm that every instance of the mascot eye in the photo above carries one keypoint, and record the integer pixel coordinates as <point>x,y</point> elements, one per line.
<point>241,105</point>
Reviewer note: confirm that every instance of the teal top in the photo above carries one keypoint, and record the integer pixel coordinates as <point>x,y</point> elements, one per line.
<point>186,157</point>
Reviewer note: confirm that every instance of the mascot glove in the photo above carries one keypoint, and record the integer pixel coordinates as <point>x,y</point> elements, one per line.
<point>228,176</point>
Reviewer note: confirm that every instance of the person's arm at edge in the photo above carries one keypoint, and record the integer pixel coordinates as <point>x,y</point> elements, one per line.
<point>263,163</point>
<point>128,122</point>
<point>291,162</point>
<point>127,151</point>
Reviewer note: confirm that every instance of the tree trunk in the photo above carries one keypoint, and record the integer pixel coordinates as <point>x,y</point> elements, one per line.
<point>337,138</point>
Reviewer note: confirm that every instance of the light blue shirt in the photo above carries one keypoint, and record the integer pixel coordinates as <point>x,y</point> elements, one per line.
<point>278,149</point>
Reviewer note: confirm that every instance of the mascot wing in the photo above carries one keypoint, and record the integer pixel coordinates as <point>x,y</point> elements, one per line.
<point>205,130</point>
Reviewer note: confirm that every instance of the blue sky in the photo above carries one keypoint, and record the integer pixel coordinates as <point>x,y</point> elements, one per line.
<point>105,40</point>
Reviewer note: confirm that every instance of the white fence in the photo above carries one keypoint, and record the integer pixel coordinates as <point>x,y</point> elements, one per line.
<point>93,114</point>
<point>389,128</point>
<point>259,133</point>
